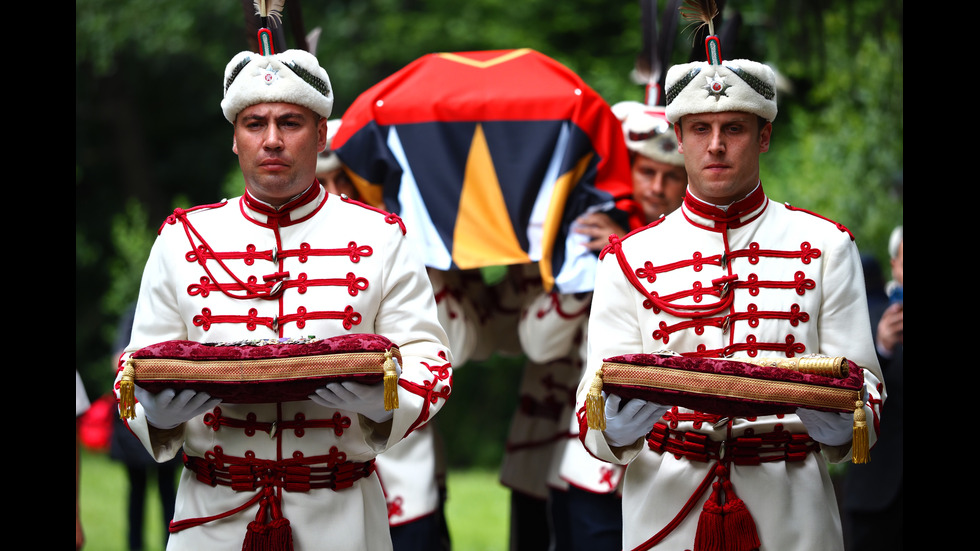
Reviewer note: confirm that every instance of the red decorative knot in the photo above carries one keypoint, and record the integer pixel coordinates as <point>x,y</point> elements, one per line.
<point>340,422</point>
<point>808,253</point>
<point>697,418</point>
<point>351,318</point>
<point>252,323</point>
<point>606,477</point>
<point>304,252</point>
<point>300,317</point>
<point>203,289</point>
<point>335,457</point>
<point>250,258</point>
<point>392,218</point>
<point>300,283</point>
<point>647,271</point>
<point>440,372</point>
<point>250,421</point>
<point>355,284</point>
<point>299,431</point>
<point>615,243</point>
<point>395,507</point>
<point>203,320</point>
<point>803,284</point>
<point>698,294</point>
<point>177,214</point>
<point>698,264</point>
<point>213,419</point>
<point>354,252</point>
<point>797,315</point>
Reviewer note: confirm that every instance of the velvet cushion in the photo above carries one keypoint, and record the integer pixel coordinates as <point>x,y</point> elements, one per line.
<point>729,387</point>
<point>262,371</point>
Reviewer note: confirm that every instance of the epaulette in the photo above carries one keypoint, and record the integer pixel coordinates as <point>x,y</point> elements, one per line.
<point>180,213</point>
<point>840,226</point>
<point>390,217</point>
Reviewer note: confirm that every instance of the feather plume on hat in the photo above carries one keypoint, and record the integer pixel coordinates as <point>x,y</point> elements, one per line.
<point>702,13</point>
<point>268,10</point>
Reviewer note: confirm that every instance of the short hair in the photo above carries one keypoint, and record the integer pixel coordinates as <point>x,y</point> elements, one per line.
<point>894,241</point>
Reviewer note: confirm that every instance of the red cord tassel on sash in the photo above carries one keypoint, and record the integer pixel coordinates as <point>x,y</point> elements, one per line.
<point>275,535</point>
<point>728,526</point>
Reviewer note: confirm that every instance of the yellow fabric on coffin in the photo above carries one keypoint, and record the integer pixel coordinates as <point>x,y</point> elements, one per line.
<point>483,234</point>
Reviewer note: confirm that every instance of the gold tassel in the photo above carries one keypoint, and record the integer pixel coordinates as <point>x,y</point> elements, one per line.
<point>127,397</point>
<point>595,404</point>
<point>860,450</point>
<point>391,382</point>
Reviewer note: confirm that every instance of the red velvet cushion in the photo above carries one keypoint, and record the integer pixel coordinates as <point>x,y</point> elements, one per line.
<point>728,387</point>
<point>256,373</point>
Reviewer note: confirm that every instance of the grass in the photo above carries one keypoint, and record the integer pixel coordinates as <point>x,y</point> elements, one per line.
<point>477,508</point>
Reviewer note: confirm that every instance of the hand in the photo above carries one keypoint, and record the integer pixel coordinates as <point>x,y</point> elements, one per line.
<point>167,409</point>
<point>827,427</point>
<point>890,328</point>
<point>598,226</point>
<point>635,419</point>
<point>368,400</point>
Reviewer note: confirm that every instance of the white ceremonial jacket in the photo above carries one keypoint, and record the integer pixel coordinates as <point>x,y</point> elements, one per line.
<point>545,395</point>
<point>410,471</point>
<point>767,280</point>
<point>553,331</point>
<point>322,266</point>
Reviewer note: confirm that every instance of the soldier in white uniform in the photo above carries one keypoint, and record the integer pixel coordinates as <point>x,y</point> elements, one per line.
<point>585,492</point>
<point>285,260</point>
<point>730,273</point>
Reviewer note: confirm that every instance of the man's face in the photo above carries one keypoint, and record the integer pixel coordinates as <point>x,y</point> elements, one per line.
<point>721,152</point>
<point>277,145</point>
<point>337,182</point>
<point>658,187</point>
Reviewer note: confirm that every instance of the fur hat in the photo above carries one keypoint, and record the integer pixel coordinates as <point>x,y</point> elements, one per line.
<point>733,85</point>
<point>648,133</point>
<point>293,76</point>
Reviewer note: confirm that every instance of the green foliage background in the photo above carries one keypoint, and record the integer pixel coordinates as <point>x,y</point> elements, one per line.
<point>149,134</point>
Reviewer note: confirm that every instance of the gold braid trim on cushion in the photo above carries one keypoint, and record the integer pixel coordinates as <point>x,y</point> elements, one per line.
<point>258,370</point>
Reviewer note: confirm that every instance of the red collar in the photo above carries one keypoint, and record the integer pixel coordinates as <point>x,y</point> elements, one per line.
<point>294,210</point>
<point>737,214</point>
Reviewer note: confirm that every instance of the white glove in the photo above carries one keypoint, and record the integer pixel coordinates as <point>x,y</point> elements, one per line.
<point>167,409</point>
<point>368,400</point>
<point>624,426</point>
<point>827,427</point>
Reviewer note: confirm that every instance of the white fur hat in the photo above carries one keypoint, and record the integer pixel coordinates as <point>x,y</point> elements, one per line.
<point>734,85</point>
<point>648,133</point>
<point>293,76</point>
